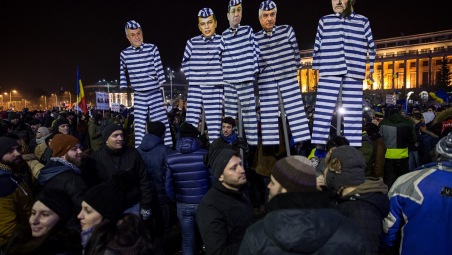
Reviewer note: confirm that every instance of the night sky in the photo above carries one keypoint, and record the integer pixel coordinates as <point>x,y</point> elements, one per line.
<point>42,42</point>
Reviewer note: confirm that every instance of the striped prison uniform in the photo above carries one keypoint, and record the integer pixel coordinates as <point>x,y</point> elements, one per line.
<point>145,71</point>
<point>341,50</point>
<point>279,60</point>
<point>202,68</point>
<point>239,60</point>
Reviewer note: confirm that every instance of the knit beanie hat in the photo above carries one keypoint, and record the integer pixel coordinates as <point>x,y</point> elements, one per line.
<point>61,144</point>
<point>5,144</point>
<point>295,174</point>
<point>57,201</point>
<point>43,131</point>
<point>108,130</point>
<point>346,167</point>
<point>444,146</point>
<point>188,130</point>
<point>156,128</point>
<point>219,159</point>
<point>58,123</point>
<point>108,199</point>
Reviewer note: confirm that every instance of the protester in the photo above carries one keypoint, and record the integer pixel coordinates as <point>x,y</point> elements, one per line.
<point>187,181</point>
<point>225,211</point>
<point>105,228</point>
<point>63,172</point>
<point>16,197</point>
<point>420,207</point>
<point>49,233</point>
<point>363,200</point>
<point>299,219</point>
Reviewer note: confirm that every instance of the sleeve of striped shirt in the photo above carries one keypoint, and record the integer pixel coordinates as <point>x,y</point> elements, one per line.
<point>122,73</point>
<point>186,60</point>
<point>158,66</point>
<point>317,46</point>
<point>294,45</point>
<point>255,50</point>
<point>371,44</point>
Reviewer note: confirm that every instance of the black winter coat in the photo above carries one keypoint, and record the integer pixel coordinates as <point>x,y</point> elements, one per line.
<point>302,223</point>
<point>223,217</point>
<point>127,165</point>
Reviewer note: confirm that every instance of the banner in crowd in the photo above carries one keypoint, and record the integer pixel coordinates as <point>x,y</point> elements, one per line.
<point>102,101</point>
<point>115,107</point>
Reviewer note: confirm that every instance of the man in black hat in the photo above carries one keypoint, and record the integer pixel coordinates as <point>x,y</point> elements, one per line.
<point>18,127</point>
<point>225,211</point>
<point>116,160</point>
<point>16,197</point>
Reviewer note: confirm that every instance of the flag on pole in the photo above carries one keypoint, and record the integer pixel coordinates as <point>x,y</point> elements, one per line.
<point>81,99</point>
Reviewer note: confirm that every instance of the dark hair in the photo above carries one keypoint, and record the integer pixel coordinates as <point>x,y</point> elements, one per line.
<point>111,235</point>
<point>336,142</point>
<point>229,120</point>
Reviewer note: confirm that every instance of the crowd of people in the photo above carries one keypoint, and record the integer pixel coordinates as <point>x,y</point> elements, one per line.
<point>144,179</point>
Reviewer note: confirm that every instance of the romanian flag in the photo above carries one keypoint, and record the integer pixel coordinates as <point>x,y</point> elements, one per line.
<point>81,99</point>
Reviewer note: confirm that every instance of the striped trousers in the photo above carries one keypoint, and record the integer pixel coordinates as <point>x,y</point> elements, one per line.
<point>293,106</point>
<point>326,101</point>
<point>153,101</point>
<point>244,92</point>
<point>211,98</point>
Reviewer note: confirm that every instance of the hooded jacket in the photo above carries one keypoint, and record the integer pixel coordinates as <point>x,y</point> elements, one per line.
<point>367,205</point>
<point>187,178</point>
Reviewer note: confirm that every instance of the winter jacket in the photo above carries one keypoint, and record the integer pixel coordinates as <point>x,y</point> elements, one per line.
<point>128,165</point>
<point>95,136</point>
<point>367,205</point>
<point>302,223</point>
<point>15,204</point>
<point>398,134</point>
<point>187,178</point>
<point>223,217</point>
<point>154,154</point>
<point>62,175</point>
<point>421,211</point>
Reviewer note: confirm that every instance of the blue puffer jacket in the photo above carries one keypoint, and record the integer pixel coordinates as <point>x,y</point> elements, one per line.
<point>187,178</point>
<point>154,154</point>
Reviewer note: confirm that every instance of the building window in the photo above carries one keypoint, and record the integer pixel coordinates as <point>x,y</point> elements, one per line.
<point>412,52</point>
<point>426,40</point>
<point>401,53</point>
<point>379,67</point>
<point>401,65</point>
<point>423,51</point>
<point>439,62</point>
<point>414,41</point>
<point>402,43</point>
<point>424,63</point>
<point>390,54</point>
<point>413,64</point>
<point>391,44</point>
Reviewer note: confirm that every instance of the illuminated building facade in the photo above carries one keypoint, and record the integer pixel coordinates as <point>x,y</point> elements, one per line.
<point>405,62</point>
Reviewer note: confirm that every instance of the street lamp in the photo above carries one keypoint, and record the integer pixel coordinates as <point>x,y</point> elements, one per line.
<point>11,91</point>
<point>171,76</point>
